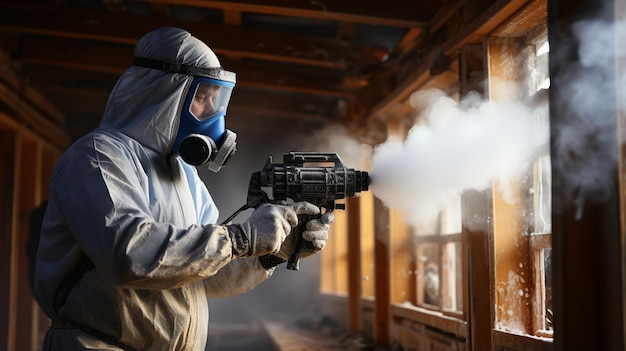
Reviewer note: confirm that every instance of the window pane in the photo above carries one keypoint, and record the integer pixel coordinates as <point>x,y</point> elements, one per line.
<point>451,216</point>
<point>543,196</point>
<point>547,268</point>
<point>452,287</point>
<point>428,279</point>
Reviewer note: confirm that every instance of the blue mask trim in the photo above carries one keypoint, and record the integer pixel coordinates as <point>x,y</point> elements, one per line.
<point>214,127</point>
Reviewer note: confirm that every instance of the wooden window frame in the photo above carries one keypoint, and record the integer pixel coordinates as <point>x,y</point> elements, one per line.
<point>440,240</point>
<point>538,244</point>
<point>517,249</point>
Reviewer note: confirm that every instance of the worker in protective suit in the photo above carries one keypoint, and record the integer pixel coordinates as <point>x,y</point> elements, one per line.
<point>129,249</point>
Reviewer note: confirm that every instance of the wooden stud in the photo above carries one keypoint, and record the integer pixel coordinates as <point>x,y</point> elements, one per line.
<point>8,216</point>
<point>382,276</point>
<point>29,173</point>
<point>354,264</point>
<point>587,238</point>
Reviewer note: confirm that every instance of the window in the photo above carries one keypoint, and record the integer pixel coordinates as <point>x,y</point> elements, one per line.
<point>439,267</point>
<point>478,275</point>
<point>522,208</point>
<point>540,236</point>
<point>426,253</point>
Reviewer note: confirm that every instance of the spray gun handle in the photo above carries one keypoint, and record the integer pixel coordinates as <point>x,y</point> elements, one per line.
<point>293,262</point>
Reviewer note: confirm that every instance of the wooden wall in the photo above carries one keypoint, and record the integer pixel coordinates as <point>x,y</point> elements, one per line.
<point>586,240</point>
<point>31,139</point>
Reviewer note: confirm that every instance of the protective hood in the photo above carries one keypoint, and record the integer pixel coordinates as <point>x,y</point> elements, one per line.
<point>145,104</point>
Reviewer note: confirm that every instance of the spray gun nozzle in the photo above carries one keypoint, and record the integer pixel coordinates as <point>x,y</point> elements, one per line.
<point>362,181</point>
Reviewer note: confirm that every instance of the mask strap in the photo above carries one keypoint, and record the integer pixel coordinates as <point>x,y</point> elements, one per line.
<point>177,67</point>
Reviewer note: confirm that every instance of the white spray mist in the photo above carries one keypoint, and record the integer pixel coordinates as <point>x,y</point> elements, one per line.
<point>584,139</point>
<point>337,139</point>
<point>457,147</point>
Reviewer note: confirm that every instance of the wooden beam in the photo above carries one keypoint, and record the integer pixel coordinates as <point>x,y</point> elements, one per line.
<point>29,172</point>
<point>620,15</point>
<point>30,116</point>
<point>506,60</point>
<point>354,265</point>
<point>71,22</point>
<point>408,41</point>
<point>588,293</point>
<point>525,20</point>
<point>85,108</point>
<point>477,235</point>
<point>115,59</point>
<point>393,13</point>
<point>382,290</point>
<point>484,24</point>
<point>472,33</point>
<point>443,16</point>
<point>232,17</point>
<point>75,54</point>
<point>21,86</point>
<point>77,91</point>
<point>9,182</point>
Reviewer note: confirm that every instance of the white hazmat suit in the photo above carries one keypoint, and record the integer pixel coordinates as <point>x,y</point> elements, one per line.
<point>129,251</point>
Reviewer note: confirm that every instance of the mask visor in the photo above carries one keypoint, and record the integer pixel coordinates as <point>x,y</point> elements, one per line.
<point>210,98</point>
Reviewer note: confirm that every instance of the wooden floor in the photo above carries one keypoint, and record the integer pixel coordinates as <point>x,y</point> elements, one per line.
<point>239,337</point>
<point>281,336</point>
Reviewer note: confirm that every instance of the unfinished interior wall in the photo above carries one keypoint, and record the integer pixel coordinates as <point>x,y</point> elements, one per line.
<point>488,251</point>
<point>31,139</point>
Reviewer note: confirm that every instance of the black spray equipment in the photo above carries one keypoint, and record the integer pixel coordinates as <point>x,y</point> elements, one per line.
<point>318,178</point>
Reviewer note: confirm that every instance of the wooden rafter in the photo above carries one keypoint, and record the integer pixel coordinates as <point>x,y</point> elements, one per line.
<point>115,59</point>
<point>367,12</point>
<point>120,28</point>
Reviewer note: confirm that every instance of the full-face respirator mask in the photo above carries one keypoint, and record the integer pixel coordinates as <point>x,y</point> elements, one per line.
<point>202,135</point>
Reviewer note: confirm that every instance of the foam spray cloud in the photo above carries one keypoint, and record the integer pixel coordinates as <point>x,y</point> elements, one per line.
<point>336,138</point>
<point>458,146</point>
<point>464,146</point>
<point>585,140</point>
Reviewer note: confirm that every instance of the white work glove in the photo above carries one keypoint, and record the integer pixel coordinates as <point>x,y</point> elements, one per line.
<point>315,237</point>
<point>266,228</point>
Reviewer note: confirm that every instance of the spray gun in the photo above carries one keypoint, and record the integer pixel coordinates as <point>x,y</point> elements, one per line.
<point>304,176</point>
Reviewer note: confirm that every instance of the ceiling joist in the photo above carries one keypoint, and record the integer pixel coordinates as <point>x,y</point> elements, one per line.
<point>71,23</point>
<point>371,12</point>
<point>319,62</point>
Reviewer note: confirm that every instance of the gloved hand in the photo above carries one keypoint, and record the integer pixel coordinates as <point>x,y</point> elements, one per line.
<point>266,228</point>
<point>316,234</point>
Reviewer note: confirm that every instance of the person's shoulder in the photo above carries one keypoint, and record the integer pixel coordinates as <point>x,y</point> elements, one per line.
<point>105,139</point>
<point>97,147</point>
<point>93,143</point>
<point>98,135</point>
